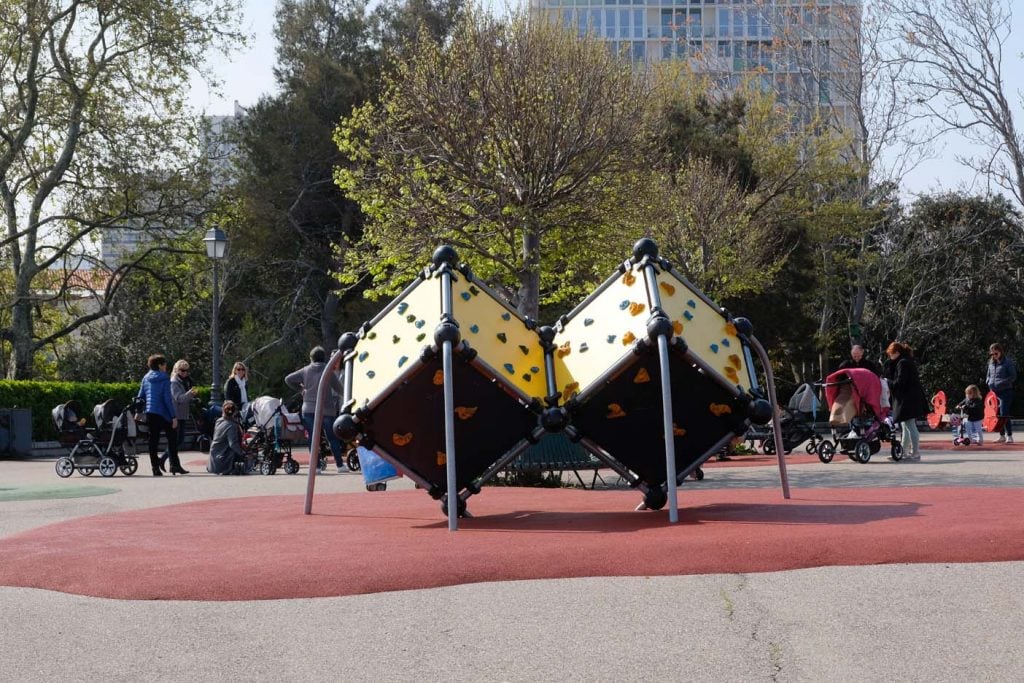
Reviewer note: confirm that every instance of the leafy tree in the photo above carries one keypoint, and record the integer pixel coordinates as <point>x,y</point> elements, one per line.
<point>947,282</point>
<point>297,222</point>
<point>517,142</point>
<point>94,135</point>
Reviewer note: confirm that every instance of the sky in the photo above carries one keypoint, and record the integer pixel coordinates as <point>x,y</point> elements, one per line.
<point>248,74</point>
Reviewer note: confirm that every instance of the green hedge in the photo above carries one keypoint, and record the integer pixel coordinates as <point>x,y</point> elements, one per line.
<point>43,397</point>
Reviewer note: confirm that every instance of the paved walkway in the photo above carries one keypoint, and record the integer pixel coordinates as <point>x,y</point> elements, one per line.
<point>892,622</point>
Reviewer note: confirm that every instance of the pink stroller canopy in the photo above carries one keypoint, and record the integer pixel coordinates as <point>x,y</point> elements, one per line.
<point>867,388</point>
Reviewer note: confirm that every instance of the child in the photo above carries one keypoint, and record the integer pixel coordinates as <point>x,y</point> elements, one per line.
<point>974,410</point>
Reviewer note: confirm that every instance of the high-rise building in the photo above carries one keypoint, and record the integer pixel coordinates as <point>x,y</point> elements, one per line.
<point>804,50</point>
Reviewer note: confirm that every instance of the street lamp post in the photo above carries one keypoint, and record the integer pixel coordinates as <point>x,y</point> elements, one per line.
<point>216,248</point>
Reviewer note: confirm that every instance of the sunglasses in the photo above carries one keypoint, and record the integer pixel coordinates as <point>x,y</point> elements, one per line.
<point>182,372</point>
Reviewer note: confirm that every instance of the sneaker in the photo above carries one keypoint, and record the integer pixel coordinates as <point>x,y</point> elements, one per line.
<point>1002,439</point>
<point>1009,439</point>
<point>342,469</point>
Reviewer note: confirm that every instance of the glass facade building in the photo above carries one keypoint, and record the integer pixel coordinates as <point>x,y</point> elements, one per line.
<point>805,50</point>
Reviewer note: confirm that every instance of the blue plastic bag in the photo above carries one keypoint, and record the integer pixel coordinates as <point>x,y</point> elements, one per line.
<point>375,469</point>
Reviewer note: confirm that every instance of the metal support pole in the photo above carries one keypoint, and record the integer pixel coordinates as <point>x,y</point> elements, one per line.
<point>769,380</point>
<point>449,437</point>
<point>670,443</point>
<point>215,392</point>
<point>318,418</point>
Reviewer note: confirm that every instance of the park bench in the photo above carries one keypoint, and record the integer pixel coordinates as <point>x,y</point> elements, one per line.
<point>556,454</point>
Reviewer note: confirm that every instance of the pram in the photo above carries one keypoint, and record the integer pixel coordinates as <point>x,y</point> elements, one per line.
<point>855,398</point>
<point>107,448</point>
<point>797,423</point>
<point>268,435</point>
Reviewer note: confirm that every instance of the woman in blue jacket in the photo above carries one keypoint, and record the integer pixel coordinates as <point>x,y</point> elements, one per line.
<point>1002,373</point>
<point>156,390</point>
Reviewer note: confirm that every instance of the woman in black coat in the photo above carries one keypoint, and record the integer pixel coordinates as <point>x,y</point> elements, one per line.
<point>907,396</point>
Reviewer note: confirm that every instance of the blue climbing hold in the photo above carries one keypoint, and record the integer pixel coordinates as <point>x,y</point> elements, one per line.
<point>506,316</point>
<point>688,315</point>
<point>465,296</point>
<point>371,374</point>
<point>714,348</point>
<point>611,339</point>
<point>725,342</point>
<point>587,322</point>
<point>420,324</point>
<point>510,368</point>
<point>474,328</point>
<point>363,356</point>
<point>624,305</point>
<point>402,308</point>
<point>402,360</point>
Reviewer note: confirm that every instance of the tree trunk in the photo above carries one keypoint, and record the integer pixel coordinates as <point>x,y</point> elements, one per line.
<point>529,276</point>
<point>329,321</point>
<point>21,339</point>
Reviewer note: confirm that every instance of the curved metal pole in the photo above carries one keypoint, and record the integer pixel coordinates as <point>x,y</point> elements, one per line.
<point>671,484</point>
<point>769,379</point>
<point>318,428</point>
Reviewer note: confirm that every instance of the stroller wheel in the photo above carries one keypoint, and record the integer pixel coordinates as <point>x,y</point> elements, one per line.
<point>65,468</point>
<point>108,467</point>
<point>768,446</point>
<point>863,452</point>
<point>130,467</point>
<point>321,465</point>
<point>826,451</point>
<point>811,448</point>
<point>291,467</point>
<point>897,451</point>
<point>352,460</point>
<point>698,474</point>
<point>86,471</point>
<point>266,467</point>
<point>379,486</point>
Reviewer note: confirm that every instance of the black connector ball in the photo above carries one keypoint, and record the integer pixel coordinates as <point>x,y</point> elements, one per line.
<point>347,341</point>
<point>546,334</point>
<point>659,326</point>
<point>743,326</point>
<point>345,428</point>
<point>645,247</point>
<point>554,419</point>
<point>447,331</point>
<point>760,411</point>
<point>444,254</point>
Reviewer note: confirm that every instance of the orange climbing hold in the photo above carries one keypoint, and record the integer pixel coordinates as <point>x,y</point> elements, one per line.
<point>636,308</point>
<point>564,350</point>
<point>464,412</point>
<point>667,288</point>
<point>677,327</point>
<point>719,409</point>
<point>628,338</point>
<point>628,279</point>
<point>438,378</point>
<point>642,376</point>
<point>615,410</point>
<point>401,439</point>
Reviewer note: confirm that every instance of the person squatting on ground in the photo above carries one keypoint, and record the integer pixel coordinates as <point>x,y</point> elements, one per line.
<point>182,394</point>
<point>235,389</point>
<point>156,390</point>
<point>226,446</point>
<point>307,380</point>
<point>974,412</point>
<point>1002,373</point>
<point>857,360</point>
<point>907,396</point>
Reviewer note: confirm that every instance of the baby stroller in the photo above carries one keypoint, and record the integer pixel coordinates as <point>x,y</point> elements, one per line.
<point>855,398</point>
<point>107,448</point>
<point>797,423</point>
<point>268,436</point>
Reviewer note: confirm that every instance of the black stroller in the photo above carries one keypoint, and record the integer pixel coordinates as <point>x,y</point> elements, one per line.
<point>797,423</point>
<point>107,448</point>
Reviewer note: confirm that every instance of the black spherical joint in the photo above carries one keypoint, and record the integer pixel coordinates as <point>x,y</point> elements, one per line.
<point>645,247</point>
<point>554,419</point>
<point>347,342</point>
<point>659,326</point>
<point>444,254</point>
<point>760,411</point>
<point>546,334</point>
<point>743,326</point>
<point>346,428</point>
<point>447,331</point>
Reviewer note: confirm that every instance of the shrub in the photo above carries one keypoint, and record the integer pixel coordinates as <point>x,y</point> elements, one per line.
<point>42,397</point>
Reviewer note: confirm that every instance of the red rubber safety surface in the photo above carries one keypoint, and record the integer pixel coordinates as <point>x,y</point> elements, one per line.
<point>265,548</point>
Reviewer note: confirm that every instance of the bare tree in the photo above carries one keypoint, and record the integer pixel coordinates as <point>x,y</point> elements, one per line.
<point>953,56</point>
